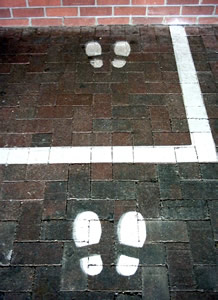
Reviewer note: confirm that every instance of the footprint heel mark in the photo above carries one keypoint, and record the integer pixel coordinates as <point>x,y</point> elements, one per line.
<point>93,51</point>
<point>122,50</point>
<point>131,231</point>
<point>87,231</point>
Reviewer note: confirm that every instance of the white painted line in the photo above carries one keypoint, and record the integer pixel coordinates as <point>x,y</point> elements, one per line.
<point>204,144</point>
<point>3,155</point>
<point>101,155</point>
<point>122,154</point>
<point>70,155</point>
<point>198,112</point>
<point>143,154</point>
<point>186,154</point>
<point>201,136</point>
<point>199,125</point>
<point>18,156</point>
<point>39,155</point>
<point>192,96</point>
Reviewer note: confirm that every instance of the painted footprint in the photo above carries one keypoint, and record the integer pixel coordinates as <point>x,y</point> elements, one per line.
<point>93,50</point>
<point>122,50</point>
<point>131,231</point>
<point>87,231</point>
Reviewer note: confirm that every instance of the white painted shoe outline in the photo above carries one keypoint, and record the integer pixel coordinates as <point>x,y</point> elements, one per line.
<point>87,231</point>
<point>121,49</point>
<point>93,50</point>
<point>131,231</point>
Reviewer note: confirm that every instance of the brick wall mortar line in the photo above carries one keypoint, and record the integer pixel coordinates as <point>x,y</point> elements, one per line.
<point>11,13</point>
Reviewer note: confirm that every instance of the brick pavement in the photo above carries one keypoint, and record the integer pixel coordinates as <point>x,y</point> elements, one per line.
<point>44,102</point>
<point>39,259</point>
<point>51,95</point>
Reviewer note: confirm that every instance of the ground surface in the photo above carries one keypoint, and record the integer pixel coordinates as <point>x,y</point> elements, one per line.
<point>52,96</point>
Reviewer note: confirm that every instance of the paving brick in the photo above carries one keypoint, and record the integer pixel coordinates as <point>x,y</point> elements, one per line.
<point>46,282</point>
<point>9,210</point>
<point>180,295</point>
<point>23,190</point>
<point>103,208</point>
<point>105,248</point>
<point>171,138</point>
<point>152,254</point>
<point>18,296</point>
<point>209,171</point>
<point>14,172</point>
<point>201,242</point>
<point>41,140</point>
<point>79,181</point>
<point>122,139</point>
<point>62,132</point>
<point>16,279</point>
<point>129,296</point>
<point>119,190</point>
<point>56,190</point>
<point>199,189</point>
<point>37,253</point>
<point>167,231</point>
<point>169,182</point>
<point>206,277</point>
<point>121,207</point>
<point>148,199</point>
<point>213,209</point>
<point>130,112</point>
<point>109,279</point>
<point>180,266</point>
<point>47,172</point>
<point>56,230</point>
<point>101,171</point>
<point>189,171</point>
<point>102,125</point>
<point>72,277</point>
<point>155,283</point>
<point>54,209</point>
<point>139,172</point>
<point>29,221</point>
<point>86,295</point>
<point>7,235</point>
<point>184,209</point>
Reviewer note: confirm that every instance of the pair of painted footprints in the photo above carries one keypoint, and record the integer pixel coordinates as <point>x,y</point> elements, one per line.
<point>131,231</point>
<point>121,49</point>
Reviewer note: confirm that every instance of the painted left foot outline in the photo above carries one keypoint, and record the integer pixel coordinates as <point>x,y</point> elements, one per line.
<point>131,231</point>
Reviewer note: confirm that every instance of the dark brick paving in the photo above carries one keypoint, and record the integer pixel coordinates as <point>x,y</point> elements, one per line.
<point>50,95</point>
<point>39,259</point>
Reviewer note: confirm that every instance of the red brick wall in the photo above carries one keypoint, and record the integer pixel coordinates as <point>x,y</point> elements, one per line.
<point>95,12</point>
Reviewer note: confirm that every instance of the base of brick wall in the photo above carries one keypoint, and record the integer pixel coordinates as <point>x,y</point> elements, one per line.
<point>106,12</point>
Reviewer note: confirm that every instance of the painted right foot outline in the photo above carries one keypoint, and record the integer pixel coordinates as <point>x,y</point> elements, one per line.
<point>131,231</point>
<point>122,50</point>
